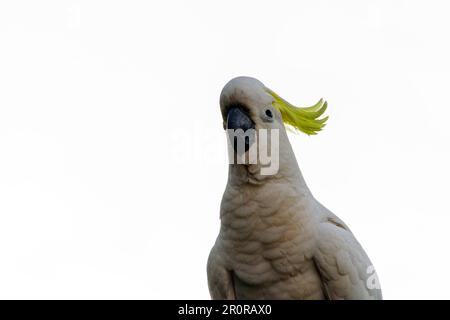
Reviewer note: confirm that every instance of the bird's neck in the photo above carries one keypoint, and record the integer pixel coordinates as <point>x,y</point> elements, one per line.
<point>287,170</point>
<point>250,193</point>
<point>249,209</point>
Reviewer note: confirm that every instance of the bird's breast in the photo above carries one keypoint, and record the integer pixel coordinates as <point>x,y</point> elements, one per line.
<point>267,240</point>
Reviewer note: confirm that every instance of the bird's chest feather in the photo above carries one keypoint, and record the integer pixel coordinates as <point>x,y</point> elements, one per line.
<point>267,242</point>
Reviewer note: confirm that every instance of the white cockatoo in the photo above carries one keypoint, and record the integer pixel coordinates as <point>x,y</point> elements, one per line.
<point>276,240</point>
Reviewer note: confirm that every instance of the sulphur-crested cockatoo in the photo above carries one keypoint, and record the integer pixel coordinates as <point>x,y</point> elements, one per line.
<point>276,240</point>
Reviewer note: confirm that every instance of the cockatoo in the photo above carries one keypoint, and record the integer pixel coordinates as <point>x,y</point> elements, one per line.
<point>276,241</point>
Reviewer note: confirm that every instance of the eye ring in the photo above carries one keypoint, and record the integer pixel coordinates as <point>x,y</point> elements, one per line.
<point>269,113</point>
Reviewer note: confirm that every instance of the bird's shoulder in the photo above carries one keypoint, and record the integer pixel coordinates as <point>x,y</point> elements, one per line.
<point>342,261</point>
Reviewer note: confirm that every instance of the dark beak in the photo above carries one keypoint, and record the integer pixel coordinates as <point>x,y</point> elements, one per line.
<point>237,119</point>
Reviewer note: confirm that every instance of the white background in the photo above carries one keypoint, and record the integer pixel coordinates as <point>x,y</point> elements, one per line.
<point>113,157</point>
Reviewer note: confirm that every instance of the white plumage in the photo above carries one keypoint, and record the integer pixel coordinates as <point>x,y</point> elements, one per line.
<point>276,240</point>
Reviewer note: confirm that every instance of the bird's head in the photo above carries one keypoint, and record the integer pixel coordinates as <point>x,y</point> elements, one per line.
<point>246,103</point>
<point>250,113</point>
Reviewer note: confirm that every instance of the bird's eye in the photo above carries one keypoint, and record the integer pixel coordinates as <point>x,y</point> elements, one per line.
<point>269,113</point>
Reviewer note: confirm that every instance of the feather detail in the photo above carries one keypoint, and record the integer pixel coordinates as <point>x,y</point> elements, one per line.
<point>303,119</point>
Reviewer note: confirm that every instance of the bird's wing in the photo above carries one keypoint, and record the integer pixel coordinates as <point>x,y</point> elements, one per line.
<point>220,280</point>
<point>344,267</point>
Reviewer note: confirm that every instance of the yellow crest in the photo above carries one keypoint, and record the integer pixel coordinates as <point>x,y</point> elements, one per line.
<point>303,119</point>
